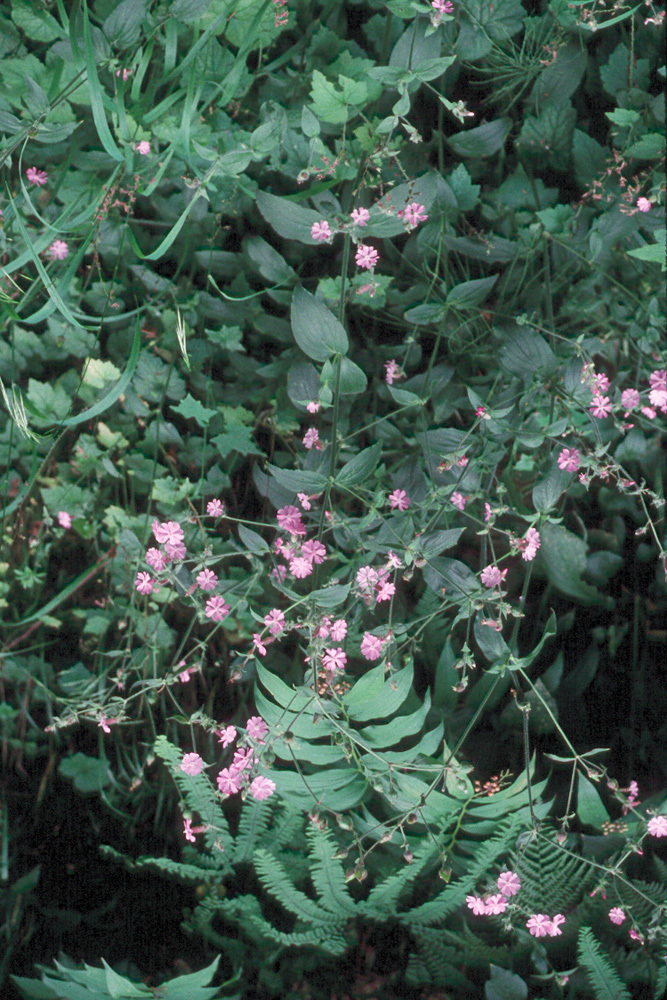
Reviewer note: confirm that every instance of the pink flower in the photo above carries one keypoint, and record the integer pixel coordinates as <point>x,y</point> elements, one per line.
<point>313,406</point>
<point>495,904</point>
<point>487,511</point>
<point>300,567</point>
<point>648,412</point>
<point>600,407</point>
<point>126,74</point>
<point>339,630</point>
<point>256,728</point>
<point>616,915</point>
<point>289,519</point>
<point>187,823</point>
<point>314,550</point>
<point>207,579</point>
<point>229,780</point>
<point>216,609</point>
<point>393,372</point>
<point>275,621</point>
<point>385,591</point>
<point>442,6</point>
<point>491,576</point>
<point>175,550</point>
<point>458,500</point>
<point>227,735</point>
<point>371,646</point>
<point>413,214</point>
<point>600,383</point>
<point>367,577</point>
<point>643,204</point>
<point>169,532</point>
<point>569,460</point>
<point>529,545</point>
<point>311,439</point>
<point>554,925</point>
<point>658,398</point>
<point>64,519</point>
<point>143,147</point>
<point>58,250</point>
<point>629,399</point>
<point>304,500</point>
<point>399,499</point>
<point>476,904</point>
<point>635,936</point>
<point>243,758</point>
<point>334,659</point>
<point>320,232</point>
<point>215,508</point>
<point>192,763</point>
<point>155,559</point>
<point>658,379</point>
<point>258,644</point>
<point>539,925</point>
<point>393,561</point>
<point>104,723</point>
<point>36,176</point>
<point>261,788</point>
<point>509,883</point>
<point>360,216</point>
<point>657,826</point>
<point>143,583</point>
<point>366,256</point>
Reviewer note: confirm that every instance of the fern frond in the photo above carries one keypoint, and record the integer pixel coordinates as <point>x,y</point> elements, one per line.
<point>551,879</point>
<point>253,825</point>
<point>278,884</point>
<point>383,898</point>
<point>327,874</point>
<point>603,977</point>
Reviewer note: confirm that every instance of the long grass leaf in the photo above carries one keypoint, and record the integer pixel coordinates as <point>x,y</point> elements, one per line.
<point>95,91</point>
<point>112,395</point>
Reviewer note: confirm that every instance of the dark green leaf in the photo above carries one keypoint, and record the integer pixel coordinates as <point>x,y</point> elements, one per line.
<point>360,467</point>
<point>316,330</point>
<point>481,141</point>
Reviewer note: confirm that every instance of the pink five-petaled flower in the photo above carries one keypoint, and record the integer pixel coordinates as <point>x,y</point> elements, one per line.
<point>261,788</point>
<point>360,216</point>
<point>476,904</point>
<point>311,439</point>
<point>58,250</point>
<point>393,372</point>
<point>658,379</point>
<point>229,780</point>
<point>339,630</point>
<point>495,904</point>
<point>215,508</point>
<point>207,579</point>
<point>289,519</point>
<point>367,577</point>
<point>508,883</point>
<point>657,826</point>
<point>216,609</point>
<point>385,591</point>
<point>616,915</point>
<point>413,214</point>
<point>143,148</point>
<point>443,6</point>
<point>366,256</point>
<point>192,763</point>
<point>175,550</point>
<point>187,830</point>
<point>275,621</point>
<point>64,519</point>
<point>227,735</point>
<point>257,642</point>
<point>143,583</point>
<point>569,460</point>
<point>36,176</point>
<point>304,500</point>
<point>643,204</point>
<point>529,545</point>
<point>256,728</point>
<point>399,499</point>
<point>300,567</point>
<point>320,232</point>
<point>600,407</point>
<point>155,559</point>
<point>313,406</point>
<point>243,758</point>
<point>334,659</point>
<point>554,925</point>
<point>458,500</point>
<point>658,397</point>
<point>314,550</point>
<point>635,936</point>
<point>491,576</point>
<point>538,925</point>
<point>371,646</point>
<point>629,399</point>
<point>168,532</point>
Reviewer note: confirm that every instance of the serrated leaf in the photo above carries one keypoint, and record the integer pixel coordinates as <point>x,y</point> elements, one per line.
<point>333,104</point>
<point>123,25</point>
<point>97,373</point>
<point>316,330</point>
<point>237,437</point>
<point>192,409</point>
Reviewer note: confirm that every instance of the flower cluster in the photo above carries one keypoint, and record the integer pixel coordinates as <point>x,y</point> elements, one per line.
<point>299,555</point>
<point>508,884</point>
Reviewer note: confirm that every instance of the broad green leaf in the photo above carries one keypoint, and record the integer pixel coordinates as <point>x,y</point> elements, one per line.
<point>36,24</point>
<point>189,11</point>
<point>548,491</point>
<point>192,409</point>
<point>504,985</point>
<point>284,695</point>
<point>337,788</point>
<point>469,294</point>
<point>291,221</point>
<point>330,597</point>
<point>416,46</point>
<point>253,541</point>
<point>563,555</point>
<point>89,774</point>
<point>654,253</point>
<point>590,807</point>
<point>299,480</point>
<point>549,135</point>
<point>524,353</point>
<point>303,383</point>
<point>482,23</point>
<point>465,192</point>
<point>123,25</point>
<point>238,438</point>
<point>400,726</point>
<point>433,68</point>
<point>316,330</point>
<point>363,706</point>
<point>651,146</point>
<point>360,467</point>
<point>266,260</point>
<point>492,249</point>
<point>558,81</point>
<point>432,543</point>
<point>352,379</point>
<point>482,141</point>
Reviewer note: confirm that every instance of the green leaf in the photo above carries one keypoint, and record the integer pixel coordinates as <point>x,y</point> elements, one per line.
<point>123,25</point>
<point>332,596</point>
<point>504,985</point>
<point>549,136</point>
<point>291,221</point>
<point>89,774</point>
<point>600,971</point>
<point>563,555</point>
<point>482,23</point>
<point>37,25</point>
<point>654,253</point>
<point>237,437</point>
<point>432,543</point>
<point>95,92</point>
<point>433,68</point>
<point>525,353</point>
<point>189,10</point>
<point>352,379</point>
<point>590,807</point>
<point>465,192</point>
<point>316,330</point>
<point>303,383</point>
<point>490,249</point>
<point>547,492</point>
<point>298,481</point>
<point>651,146</point>
<point>360,467</point>
<point>334,105</point>
<point>365,700</point>
<point>267,261</point>
<point>481,141</point>
<point>47,403</point>
<point>192,409</point>
<point>253,541</point>
<point>469,294</point>
<point>623,117</point>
